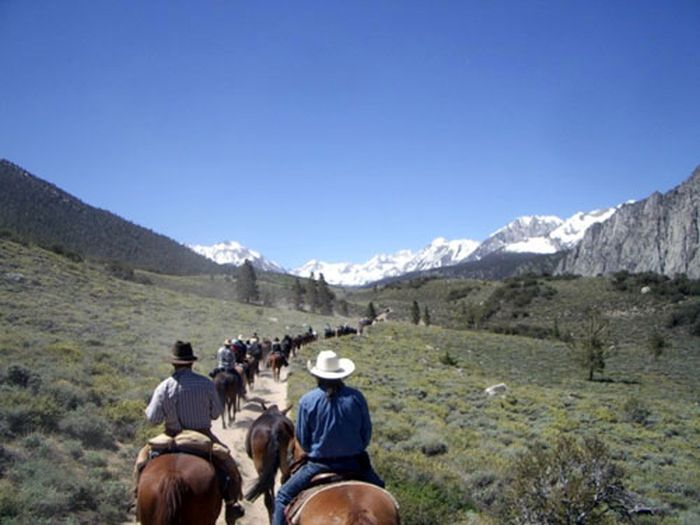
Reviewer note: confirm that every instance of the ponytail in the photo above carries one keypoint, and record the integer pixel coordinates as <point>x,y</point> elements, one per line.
<point>330,386</point>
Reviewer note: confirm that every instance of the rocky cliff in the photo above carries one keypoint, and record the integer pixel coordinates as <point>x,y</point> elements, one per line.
<point>658,234</point>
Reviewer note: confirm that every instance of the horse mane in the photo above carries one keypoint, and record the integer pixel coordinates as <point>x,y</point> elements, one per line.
<point>173,489</point>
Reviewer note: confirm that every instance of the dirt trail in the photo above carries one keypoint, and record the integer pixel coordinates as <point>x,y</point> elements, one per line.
<point>271,393</point>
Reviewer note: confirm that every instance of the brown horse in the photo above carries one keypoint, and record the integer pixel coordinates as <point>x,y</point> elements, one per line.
<point>268,443</point>
<point>228,386</point>
<point>253,370</point>
<point>345,503</point>
<point>275,362</point>
<point>177,489</point>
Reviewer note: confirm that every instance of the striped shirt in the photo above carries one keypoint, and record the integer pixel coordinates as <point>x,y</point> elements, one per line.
<point>185,400</point>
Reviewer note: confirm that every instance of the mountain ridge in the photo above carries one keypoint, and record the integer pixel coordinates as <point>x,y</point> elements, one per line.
<point>659,234</point>
<point>531,234</point>
<point>38,211</point>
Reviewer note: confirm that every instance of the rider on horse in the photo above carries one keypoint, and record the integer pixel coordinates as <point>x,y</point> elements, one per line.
<point>225,359</point>
<point>334,429</point>
<point>188,401</point>
<point>277,349</point>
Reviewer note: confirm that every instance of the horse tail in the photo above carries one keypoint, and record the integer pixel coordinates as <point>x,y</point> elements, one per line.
<point>173,489</point>
<point>266,480</point>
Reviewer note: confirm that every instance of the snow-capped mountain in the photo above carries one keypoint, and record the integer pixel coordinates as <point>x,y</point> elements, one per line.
<point>528,234</point>
<point>440,252</point>
<point>540,234</point>
<point>518,236</point>
<point>231,252</point>
<point>350,274</point>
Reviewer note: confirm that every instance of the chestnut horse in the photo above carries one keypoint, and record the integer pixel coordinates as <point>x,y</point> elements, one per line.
<point>346,503</point>
<point>275,362</point>
<point>228,385</point>
<point>268,443</point>
<point>177,489</point>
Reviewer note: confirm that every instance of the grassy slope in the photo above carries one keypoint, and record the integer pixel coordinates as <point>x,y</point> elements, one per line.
<point>97,345</point>
<point>81,352</point>
<point>438,434</point>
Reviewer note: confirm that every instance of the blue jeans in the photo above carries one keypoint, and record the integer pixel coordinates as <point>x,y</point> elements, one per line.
<point>302,477</point>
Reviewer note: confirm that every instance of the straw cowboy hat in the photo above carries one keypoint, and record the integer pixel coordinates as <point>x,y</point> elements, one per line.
<point>182,354</point>
<point>330,366</point>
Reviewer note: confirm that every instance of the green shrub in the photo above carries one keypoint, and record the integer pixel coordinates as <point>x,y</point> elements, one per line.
<point>21,412</point>
<point>87,425</point>
<point>9,505</point>
<point>6,459</point>
<point>67,253</point>
<point>126,417</point>
<point>23,377</point>
<point>569,483</point>
<point>656,343</point>
<point>426,499</point>
<point>636,411</point>
<point>67,394</point>
<point>447,360</point>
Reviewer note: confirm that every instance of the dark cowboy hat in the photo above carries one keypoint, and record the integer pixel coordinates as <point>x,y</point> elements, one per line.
<point>182,354</point>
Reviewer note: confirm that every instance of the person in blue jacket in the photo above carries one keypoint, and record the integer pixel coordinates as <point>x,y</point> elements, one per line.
<point>333,427</point>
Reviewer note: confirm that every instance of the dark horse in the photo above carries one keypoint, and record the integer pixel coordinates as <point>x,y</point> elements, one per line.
<point>177,489</point>
<point>268,443</point>
<point>228,386</point>
<point>346,503</point>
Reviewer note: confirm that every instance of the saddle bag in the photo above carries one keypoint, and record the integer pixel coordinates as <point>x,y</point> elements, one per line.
<point>188,441</point>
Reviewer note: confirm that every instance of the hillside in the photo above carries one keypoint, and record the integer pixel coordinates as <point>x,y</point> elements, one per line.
<point>39,212</point>
<point>81,353</point>
<point>71,419</point>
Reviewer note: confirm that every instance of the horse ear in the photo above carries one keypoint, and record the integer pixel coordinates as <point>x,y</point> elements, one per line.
<point>284,412</point>
<point>262,404</point>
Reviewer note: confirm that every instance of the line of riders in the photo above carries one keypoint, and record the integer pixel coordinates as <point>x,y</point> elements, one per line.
<point>186,389</point>
<point>188,402</point>
<point>239,355</point>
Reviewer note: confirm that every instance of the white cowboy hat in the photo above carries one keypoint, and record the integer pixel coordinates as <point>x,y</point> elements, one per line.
<point>330,366</point>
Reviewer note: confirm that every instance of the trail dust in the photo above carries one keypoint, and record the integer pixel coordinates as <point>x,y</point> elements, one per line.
<point>271,393</point>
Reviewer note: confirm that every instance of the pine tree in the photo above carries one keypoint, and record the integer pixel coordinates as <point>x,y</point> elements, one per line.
<point>426,316</point>
<point>298,295</point>
<point>415,313</point>
<point>371,312</point>
<point>343,307</point>
<point>594,342</point>
<point>324,295</point>
<point>312,293</point>
<point>246,284</point>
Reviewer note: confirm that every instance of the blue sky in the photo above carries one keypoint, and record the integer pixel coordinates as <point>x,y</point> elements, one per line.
<point>340,129</point>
